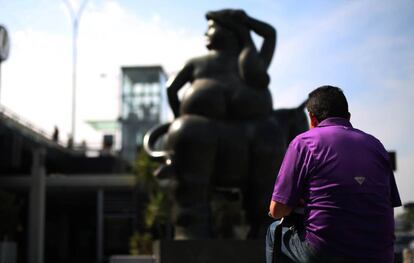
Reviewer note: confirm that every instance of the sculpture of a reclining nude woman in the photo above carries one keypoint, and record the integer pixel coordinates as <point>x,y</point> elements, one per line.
<point>224,133</point>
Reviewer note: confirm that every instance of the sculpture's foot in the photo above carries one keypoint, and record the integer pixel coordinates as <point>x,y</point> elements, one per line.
<point>192,232</point>
<point>179,233</point>
<point>193,222</point>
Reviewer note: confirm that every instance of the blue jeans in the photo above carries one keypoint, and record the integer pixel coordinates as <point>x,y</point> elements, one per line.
<point>294,247</point>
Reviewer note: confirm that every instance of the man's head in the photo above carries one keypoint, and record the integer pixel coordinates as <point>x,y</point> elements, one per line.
<point>325,102</point>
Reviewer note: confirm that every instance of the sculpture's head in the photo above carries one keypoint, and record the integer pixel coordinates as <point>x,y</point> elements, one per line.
<point>219,36</point>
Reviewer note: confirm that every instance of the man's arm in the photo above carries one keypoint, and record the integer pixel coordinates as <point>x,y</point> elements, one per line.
<point>278,210</point>
<point>291,181</point>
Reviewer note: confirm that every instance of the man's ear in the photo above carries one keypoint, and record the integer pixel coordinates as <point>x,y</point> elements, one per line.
<point>313,121</point>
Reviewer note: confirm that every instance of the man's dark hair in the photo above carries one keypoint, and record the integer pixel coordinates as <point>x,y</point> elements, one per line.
<point>327,101</point>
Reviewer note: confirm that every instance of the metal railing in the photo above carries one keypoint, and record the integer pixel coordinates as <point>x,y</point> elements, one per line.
<point>15,121</point>
<point>27,127</point>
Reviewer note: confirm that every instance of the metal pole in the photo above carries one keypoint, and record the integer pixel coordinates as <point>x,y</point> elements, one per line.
<point>37,207</point>
<point>74,61</point>
<point>0,79</point>
<point>99,225</point>
<point>75,27</point>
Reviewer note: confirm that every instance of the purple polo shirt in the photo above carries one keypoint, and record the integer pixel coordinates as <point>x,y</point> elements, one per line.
<point>345,178</point>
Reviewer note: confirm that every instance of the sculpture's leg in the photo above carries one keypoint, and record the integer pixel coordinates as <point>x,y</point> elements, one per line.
<point>230,177</point>
<point>194,142</point>
<point>266,154</point>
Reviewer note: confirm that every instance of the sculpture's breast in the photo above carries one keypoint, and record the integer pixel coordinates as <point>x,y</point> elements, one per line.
<point>205,97</point>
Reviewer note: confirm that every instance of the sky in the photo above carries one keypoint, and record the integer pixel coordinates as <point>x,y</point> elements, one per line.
<point>365,47</point>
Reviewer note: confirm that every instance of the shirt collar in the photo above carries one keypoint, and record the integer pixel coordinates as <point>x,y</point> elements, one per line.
<point>335,121</point>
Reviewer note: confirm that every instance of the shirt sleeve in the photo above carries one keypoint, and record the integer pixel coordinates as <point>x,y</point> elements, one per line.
<point>394,194</point>
<point>293,175</point>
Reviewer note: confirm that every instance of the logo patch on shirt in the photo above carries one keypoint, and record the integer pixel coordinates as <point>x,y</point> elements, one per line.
<point>360,179</point>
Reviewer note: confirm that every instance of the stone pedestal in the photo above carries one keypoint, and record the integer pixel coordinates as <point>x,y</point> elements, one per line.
<point>210,251</point>
<point>132,259</point>
<point>8,252</point>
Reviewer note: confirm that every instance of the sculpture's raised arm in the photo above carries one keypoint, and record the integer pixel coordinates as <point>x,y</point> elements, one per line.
<point>269,38</point>
<point>253,65</point>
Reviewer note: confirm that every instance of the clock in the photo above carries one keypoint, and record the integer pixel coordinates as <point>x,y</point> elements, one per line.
<point>4,44</point>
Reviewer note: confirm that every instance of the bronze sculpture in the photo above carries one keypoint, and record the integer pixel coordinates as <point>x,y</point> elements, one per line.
<point>225,132</point>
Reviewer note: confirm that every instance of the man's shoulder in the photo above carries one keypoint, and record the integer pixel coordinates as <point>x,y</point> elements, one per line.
<point>323,131</point>
<point>312,134</point>
<point>320,135</point>
<point>369,138</point>
<point>304,139</point>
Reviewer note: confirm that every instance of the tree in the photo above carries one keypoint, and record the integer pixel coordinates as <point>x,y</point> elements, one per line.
<point>154,201</point>
<point>406,219</point>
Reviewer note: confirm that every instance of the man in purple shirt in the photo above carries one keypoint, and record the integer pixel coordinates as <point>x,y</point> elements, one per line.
<point>343,179</point>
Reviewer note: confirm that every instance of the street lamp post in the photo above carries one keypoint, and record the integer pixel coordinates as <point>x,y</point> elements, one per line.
<point>75,16</point>
<point>4,47</point>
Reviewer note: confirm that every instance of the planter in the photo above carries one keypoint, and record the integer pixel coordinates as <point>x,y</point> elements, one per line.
<point>8,252</point>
